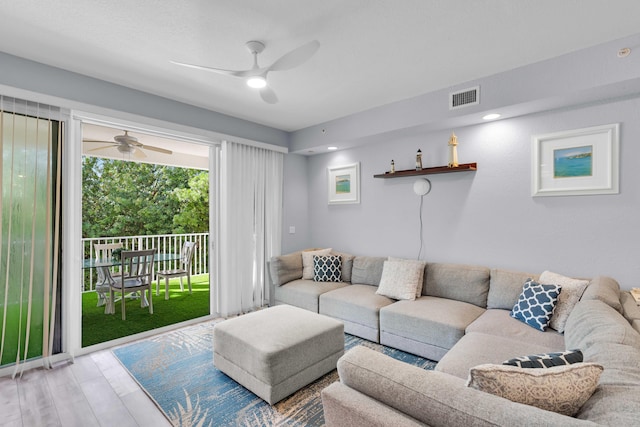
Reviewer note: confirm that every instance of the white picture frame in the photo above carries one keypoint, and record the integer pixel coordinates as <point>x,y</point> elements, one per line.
<point>343,184</point>
<point>576,162</point>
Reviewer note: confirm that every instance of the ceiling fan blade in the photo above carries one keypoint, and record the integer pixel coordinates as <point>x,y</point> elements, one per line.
<point>139,154</point>
<point>268,95</point>
<point>99,141</point>
<point>100,148</point>
<point>296,57</point>
<point>235,73</point>
<point>156,149</point>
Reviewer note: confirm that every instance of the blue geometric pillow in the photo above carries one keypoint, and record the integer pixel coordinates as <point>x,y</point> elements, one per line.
<point>546,360</point>
<point>536,303</point>
<point>327,268</point>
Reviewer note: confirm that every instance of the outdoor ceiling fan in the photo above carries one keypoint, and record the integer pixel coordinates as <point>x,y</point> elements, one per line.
<point>127,144</point>
<point>256,77</point>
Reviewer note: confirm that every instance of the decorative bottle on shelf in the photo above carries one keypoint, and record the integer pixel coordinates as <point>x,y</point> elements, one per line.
<point>393,167</point>
<point>453,151</point>
<point>419,160</point>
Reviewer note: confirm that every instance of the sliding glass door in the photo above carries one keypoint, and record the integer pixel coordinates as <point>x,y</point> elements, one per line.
<point>30,143</point>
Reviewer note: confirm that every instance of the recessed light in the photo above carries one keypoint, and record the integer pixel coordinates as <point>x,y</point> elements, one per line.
<point>624,52</point>
<point>332,148</point>
<point>491,116</point>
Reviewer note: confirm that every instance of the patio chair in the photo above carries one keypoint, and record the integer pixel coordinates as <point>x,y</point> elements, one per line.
<point>185,260</point>
<point>137,275</point>
<point>104,251</point>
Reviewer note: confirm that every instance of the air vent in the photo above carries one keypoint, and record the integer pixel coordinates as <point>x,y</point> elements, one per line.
<point>464,98</point>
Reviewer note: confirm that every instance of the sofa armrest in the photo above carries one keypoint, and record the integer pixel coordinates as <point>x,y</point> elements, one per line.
<point>344,406</point>
<point>436,398</point>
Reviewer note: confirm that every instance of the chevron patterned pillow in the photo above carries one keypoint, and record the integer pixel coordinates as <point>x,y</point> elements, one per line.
<point>546,360</point>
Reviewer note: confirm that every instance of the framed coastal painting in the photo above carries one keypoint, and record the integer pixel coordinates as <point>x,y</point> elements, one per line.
<point>344,184</point>
<point>576,162</point>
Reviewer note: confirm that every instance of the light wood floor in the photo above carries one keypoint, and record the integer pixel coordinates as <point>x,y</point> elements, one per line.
<point>95,390</point>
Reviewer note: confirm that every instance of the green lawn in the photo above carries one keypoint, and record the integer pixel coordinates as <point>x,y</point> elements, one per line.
<point>98,327</point>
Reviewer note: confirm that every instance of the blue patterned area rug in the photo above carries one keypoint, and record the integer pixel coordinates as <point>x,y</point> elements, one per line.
<point>176,370</point>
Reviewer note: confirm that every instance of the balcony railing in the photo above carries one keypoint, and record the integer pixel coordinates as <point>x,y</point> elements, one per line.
<point>164,243</point>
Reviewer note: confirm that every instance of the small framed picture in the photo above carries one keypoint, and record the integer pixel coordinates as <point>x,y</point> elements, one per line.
<point>576,162</point>
<point>344,184</point>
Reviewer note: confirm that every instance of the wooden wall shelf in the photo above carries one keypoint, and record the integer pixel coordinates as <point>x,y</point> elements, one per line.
<point>465,167</point>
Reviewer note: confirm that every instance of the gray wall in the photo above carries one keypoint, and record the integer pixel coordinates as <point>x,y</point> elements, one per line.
<point>295,199</point>
<point>486,217</point>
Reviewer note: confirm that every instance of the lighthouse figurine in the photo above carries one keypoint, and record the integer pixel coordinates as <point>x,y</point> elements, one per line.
<point>453,151</point>
<point>419,160</point>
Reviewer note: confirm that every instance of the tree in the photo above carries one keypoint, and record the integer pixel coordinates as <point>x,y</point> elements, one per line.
<point>194,205</point>
<point>122,198</point>
<point>92,198</point>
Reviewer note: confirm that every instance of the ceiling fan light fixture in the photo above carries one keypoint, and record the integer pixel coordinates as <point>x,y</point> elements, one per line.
<point>256,76</point>
<point>125,148</point>
<point>256,82</point>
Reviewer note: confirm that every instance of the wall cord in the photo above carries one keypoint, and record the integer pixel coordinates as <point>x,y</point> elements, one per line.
<point>421,227</point>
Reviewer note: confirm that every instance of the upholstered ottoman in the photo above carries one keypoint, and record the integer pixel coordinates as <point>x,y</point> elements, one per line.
<point>276,351</point>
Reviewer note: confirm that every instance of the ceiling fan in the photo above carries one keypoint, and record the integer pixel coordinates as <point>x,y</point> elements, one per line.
<point>257,76</point>
<point>127,144</point>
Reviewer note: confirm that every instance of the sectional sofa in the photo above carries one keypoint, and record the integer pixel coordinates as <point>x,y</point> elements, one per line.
<point>461,319</point>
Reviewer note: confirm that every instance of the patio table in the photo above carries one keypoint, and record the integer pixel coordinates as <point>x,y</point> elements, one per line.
<point>113,262</point>
<point>106,264</point>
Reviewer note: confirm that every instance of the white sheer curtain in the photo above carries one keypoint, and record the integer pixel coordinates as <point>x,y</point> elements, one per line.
<point>249,213</point>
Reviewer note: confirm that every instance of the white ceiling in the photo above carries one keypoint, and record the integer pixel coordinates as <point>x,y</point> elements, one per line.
<point>372,52</point>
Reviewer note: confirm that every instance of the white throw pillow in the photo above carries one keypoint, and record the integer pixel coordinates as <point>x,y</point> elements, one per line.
<point>572,290</point>
<point>307,262</point>
<point>400,280</point>
<point>423,264</point>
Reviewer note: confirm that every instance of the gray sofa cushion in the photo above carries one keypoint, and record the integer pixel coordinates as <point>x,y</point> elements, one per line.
<point>630,309</point>
<point>621,363</point>
<point>354,303</point>
<point>437,321</point>
<point>304,293</point>
<point>617,399</point>
<point>499,322</point>
<point>594,321</point>
<point>505,288</point>
<point>478,348</point>
<point>607,338</point>
<point>367,270</point>
<point>467,283</point>
<point>285,268</point>
<point>604,289</point>
<point>612,406</point>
